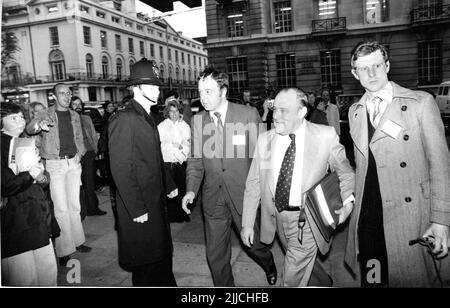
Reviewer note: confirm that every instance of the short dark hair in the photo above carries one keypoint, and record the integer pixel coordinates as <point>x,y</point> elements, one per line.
<point>9,108</point>
<point>366,48</point>
<point>171,104</point>
<point>74,98</point>
<point>221,78</point>
<point>172,93</point>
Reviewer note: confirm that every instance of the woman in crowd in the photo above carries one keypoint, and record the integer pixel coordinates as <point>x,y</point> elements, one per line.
<point>175,135</point>
<point>28,258</point>
<point>318,115</point>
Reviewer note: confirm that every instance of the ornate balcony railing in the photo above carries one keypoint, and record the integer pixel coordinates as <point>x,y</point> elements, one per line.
<point>329,25</point>
<point>431,13</point>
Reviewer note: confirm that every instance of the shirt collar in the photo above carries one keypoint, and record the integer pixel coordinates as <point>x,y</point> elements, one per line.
<point>222,110</point>
<point>385,93</point>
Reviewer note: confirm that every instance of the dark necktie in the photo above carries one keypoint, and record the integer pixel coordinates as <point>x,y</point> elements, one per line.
<point>283,189</point>
<point>219,136</point>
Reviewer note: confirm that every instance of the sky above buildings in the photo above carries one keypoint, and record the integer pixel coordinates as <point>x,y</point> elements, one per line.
<point>192,23</point>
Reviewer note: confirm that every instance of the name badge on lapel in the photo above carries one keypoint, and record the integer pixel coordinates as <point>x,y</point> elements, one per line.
<point>391,128</point>
<point>238,139</point>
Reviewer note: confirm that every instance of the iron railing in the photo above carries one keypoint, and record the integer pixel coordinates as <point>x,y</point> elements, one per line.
<point>430,13</point>
<point>331,24</point>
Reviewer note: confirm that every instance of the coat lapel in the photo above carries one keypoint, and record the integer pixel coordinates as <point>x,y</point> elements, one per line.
<point>359,128</point>
<point>271,138</point>
<point>309,152</point>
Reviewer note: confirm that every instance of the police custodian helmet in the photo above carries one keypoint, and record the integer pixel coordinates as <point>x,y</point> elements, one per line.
<point>144,72</point>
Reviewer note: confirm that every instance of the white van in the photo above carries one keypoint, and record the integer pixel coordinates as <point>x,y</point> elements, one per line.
<point>443,101</point>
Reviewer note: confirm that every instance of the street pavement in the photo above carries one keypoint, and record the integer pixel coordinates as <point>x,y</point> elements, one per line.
<point>100,267</point>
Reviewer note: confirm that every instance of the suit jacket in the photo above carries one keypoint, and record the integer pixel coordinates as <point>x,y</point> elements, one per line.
<point>240,136</point>
<point>139,174</point>
<point>414,180</point>
<point>322,148</point>
<point>332,112</point>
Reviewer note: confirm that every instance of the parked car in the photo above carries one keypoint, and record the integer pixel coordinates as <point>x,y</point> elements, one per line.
<point>443,101</point>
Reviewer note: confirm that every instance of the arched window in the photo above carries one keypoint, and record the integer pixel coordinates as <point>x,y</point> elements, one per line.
<point>189,75</point>
<point>56,60</point>
<point>161,71</point>
<point>89,65</point>
<point>170,71</point>
<point>119,68</point>
<point>177,74</point>
<point>105,67</point>
<point>184,75</point>
<point>195,75</point>
<point>131,64</point>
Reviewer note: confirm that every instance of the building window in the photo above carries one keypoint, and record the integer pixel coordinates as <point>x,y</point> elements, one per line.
<point>161,71</point>
<point>105,69</point>
<point>327,9</point>
<point>103,39</point>
<point>189,75</point>
<point>52,8</point>
<point>182,57</point>
<point>89,65</point>
<point>57,65</point>
<point>131,64</point>
<point>100,14</point>
<point>128,24</point>
<point>140,28</point>
<point>130,45</point>
<point>238,73</point>
<point>84,9</point>
<point>189,59</point>
<point>286,70</point>
<point>115,19</point>
<point>176,56</point>
<point>141,48</point>
<point>87,35</point>
<point>177,75</point>
<point>119,68</point>
<point>430,62</point>
<point>182,42</point>
<point>330,67</point>
<point>170,54</point>
<point>54,38</point>
<point>195,60</point>
<point>118,43</point>
<point>235,23</point>
<point>161,53</point>
<point>377,11</point>
<point>152,50</point>
<point>204,62</point>
<point>159,34</point>
<point>283,16</point>
<point>184,75</point>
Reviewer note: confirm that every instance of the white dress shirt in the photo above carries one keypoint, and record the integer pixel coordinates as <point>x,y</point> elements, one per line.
<point>385,94</point>
<point>175,140</point>
<point>223,112</point>
<point>281,143</point>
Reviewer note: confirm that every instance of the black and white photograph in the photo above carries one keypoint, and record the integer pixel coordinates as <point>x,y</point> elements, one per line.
<point>224,151</point>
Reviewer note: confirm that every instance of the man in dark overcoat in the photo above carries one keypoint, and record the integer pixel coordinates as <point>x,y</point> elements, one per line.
<point>145,243</point>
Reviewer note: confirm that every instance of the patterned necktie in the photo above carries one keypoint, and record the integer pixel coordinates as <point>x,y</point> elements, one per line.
<point>219,136</point>
<point>283,189</point>
<point>376,115</point>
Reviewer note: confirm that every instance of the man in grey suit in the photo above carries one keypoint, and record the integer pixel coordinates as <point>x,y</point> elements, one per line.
<point>289,160</point>
<point>402,178</point>
<point>223,139</point>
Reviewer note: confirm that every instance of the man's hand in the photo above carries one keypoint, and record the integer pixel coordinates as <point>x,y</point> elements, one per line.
<point>77,158</point>
<point>247,235</point>
<point>344,212</point>
<point>44,125</point>
<point>441,239</point>
<point>187,199</point>
<point>173,194</point>
<point>141,219</point>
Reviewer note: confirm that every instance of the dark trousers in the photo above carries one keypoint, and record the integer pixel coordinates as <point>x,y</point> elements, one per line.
<point>218,241</point>
<point>158,274</point>
<point>175,212</point>
<point>88,198</point>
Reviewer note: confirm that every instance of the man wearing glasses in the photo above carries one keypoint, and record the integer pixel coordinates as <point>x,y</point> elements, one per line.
<point>61,144</point>
<point>402,178</point>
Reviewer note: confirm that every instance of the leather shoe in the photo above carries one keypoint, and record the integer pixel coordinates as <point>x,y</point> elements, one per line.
<point>63,260</point>
<point>83,248</point>
<point>272,276</point>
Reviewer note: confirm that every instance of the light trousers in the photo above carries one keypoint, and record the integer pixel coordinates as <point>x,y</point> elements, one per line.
<point>31,268</point>
<point>299,258</point>
<point>65,181</point>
